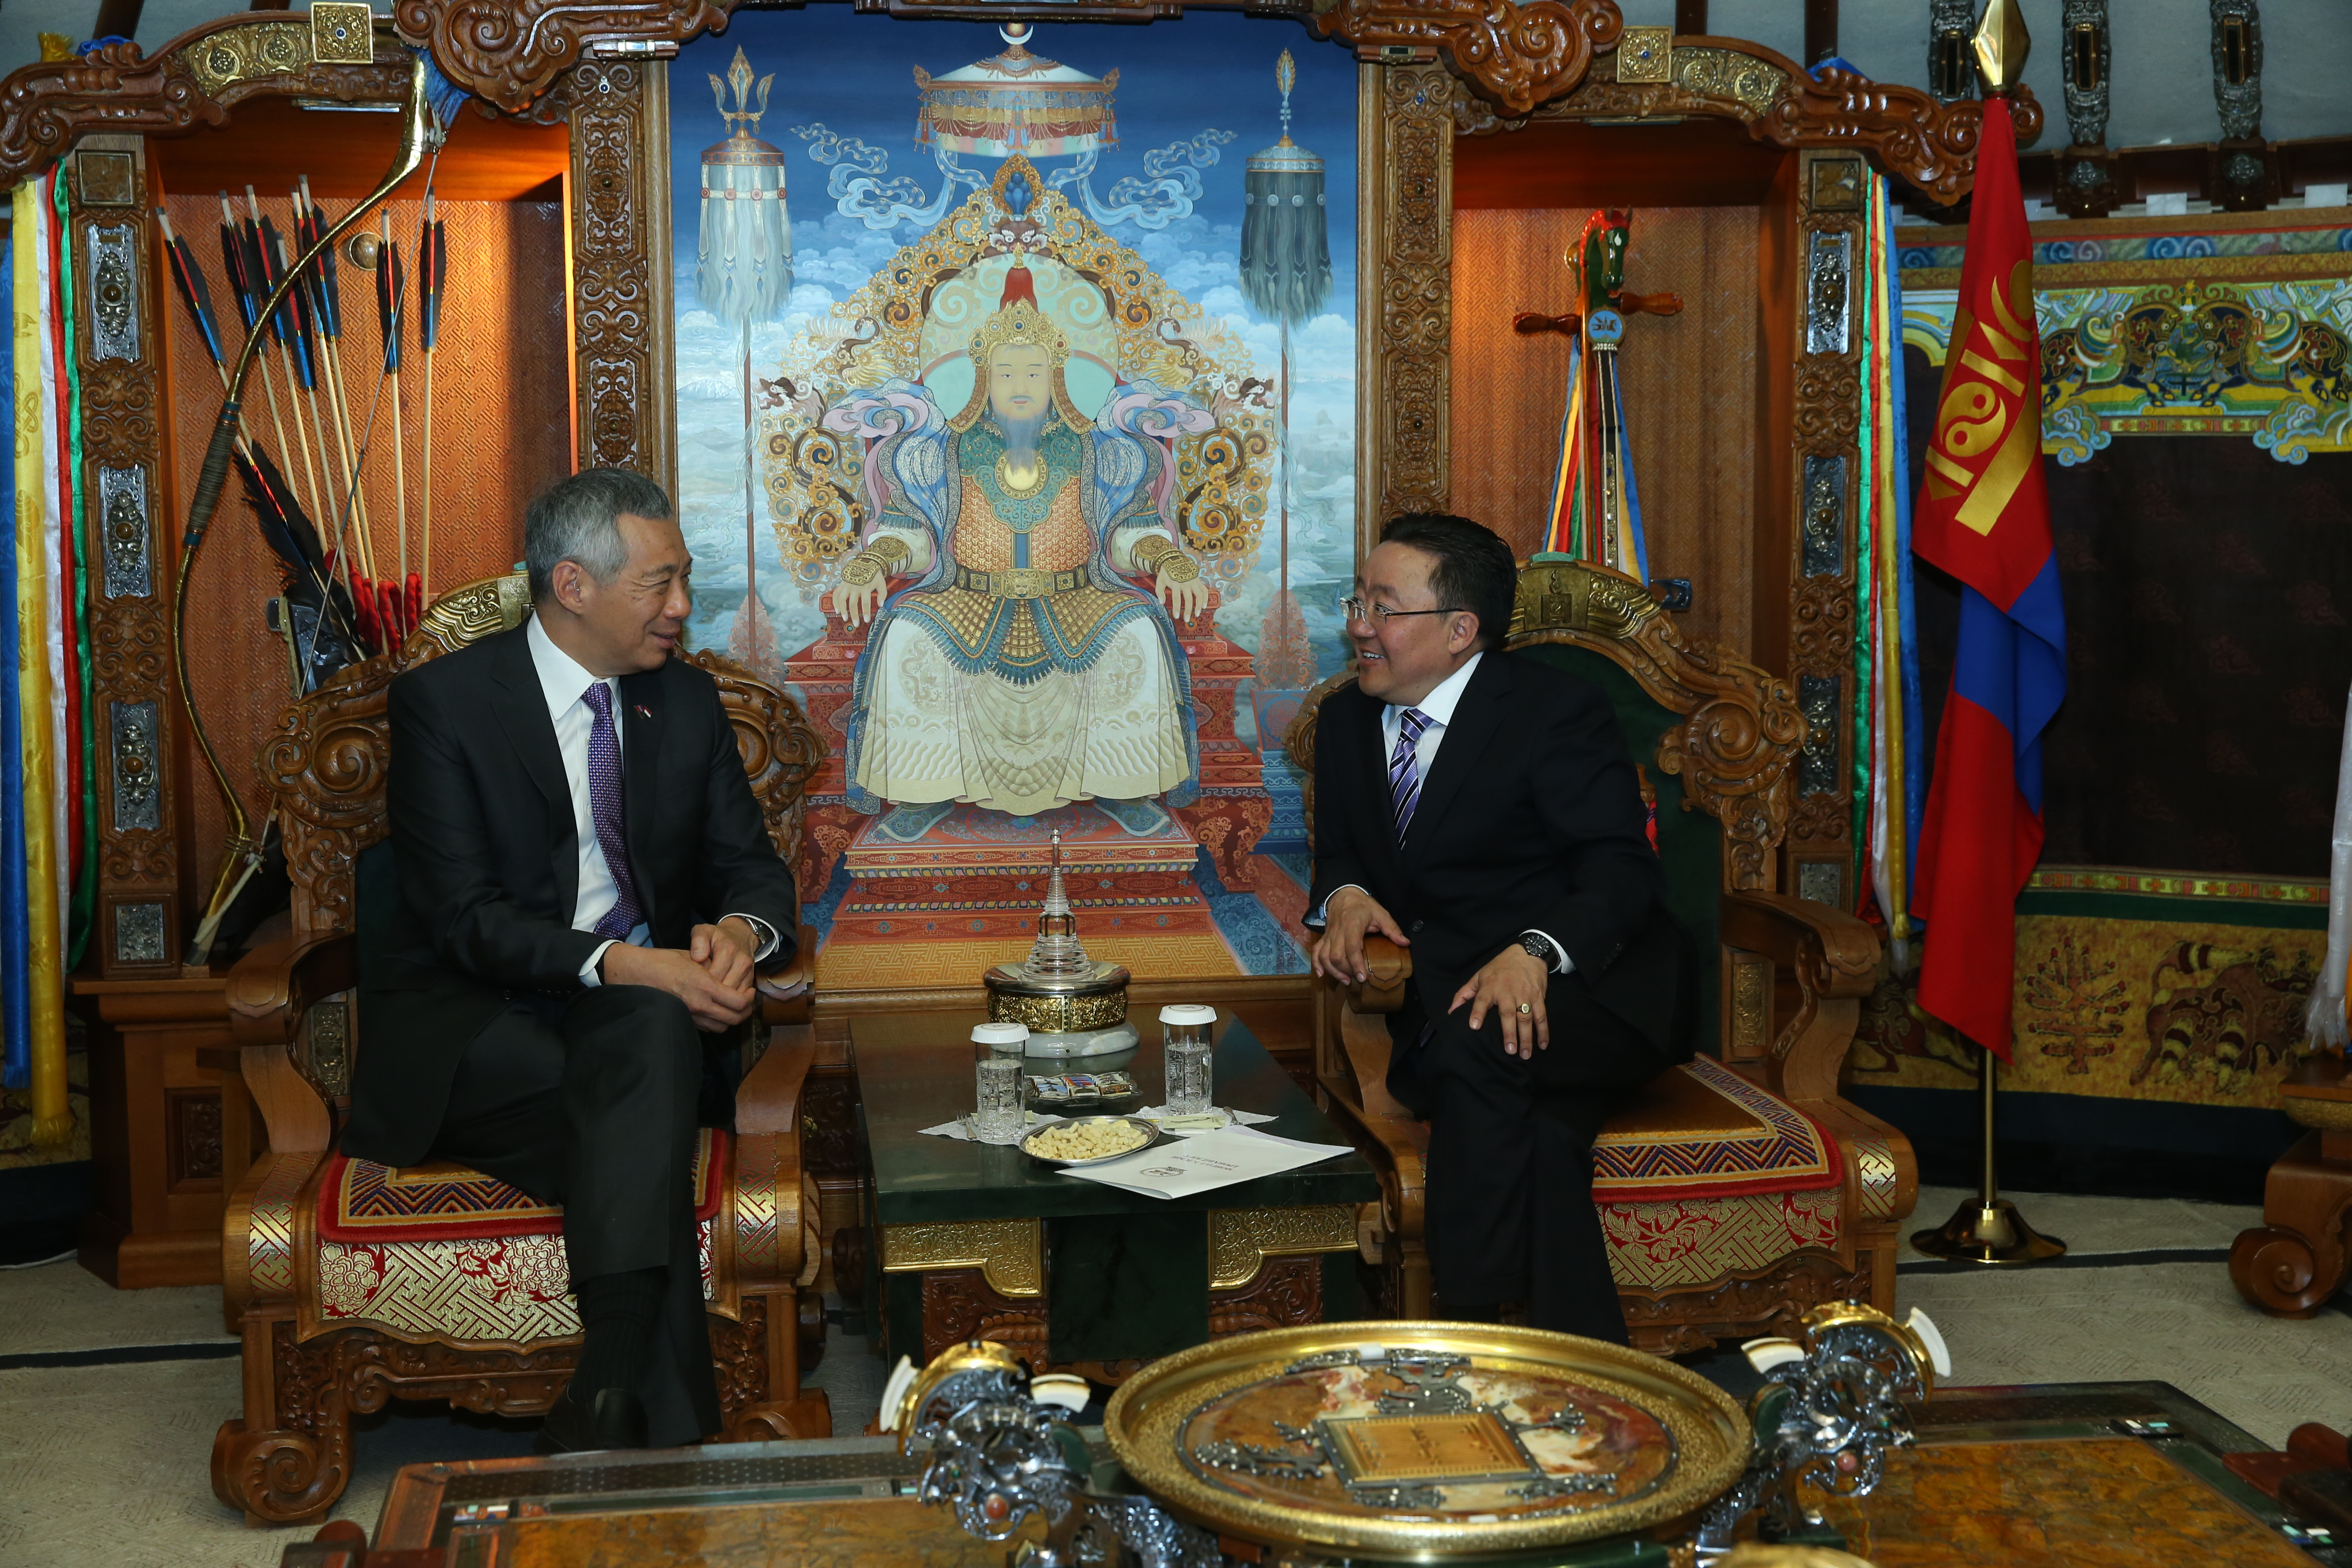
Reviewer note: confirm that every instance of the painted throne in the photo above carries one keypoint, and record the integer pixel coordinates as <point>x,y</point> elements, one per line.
<point>1738,1191</point>
<point>352,1283</point>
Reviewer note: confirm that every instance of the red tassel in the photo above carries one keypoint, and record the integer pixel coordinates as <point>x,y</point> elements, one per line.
<point>364,602</point>
<point>388,612</point>
<point>415,606</point>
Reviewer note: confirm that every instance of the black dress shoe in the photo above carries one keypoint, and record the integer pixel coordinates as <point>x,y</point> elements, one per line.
<point>618,1421</point>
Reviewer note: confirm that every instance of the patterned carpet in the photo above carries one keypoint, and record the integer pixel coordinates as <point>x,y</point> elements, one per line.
<point>109,1400</point>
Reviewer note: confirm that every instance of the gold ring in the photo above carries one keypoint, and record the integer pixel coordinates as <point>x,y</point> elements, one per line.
<point>1524,1008</point>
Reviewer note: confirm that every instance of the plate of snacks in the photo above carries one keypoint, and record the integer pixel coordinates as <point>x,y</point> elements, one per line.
<point>1089,1139</point>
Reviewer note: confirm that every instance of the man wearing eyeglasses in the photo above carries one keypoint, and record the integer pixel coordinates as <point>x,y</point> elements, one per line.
<point>1480,810</point>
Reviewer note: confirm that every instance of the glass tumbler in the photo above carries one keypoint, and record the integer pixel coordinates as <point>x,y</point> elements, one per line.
<point>1184,1057</point>
<point>998,1116</point>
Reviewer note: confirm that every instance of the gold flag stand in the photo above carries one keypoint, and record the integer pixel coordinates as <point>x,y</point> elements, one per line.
<point>1988,1228</point>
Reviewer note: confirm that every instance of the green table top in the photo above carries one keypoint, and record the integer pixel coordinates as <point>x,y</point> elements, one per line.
<point>915,1071</point>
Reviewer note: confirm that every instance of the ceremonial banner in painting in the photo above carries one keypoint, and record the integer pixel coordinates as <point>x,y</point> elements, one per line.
<point>987,451</point>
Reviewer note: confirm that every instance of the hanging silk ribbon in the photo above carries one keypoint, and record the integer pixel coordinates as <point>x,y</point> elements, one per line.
<point>40,656</point>
<point>81,728</point>
<point>15,928</point>
<point>1569,533</point>
<point>1887,795</point>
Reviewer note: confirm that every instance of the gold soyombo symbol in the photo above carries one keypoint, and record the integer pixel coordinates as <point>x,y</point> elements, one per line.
<point>1986,434</point>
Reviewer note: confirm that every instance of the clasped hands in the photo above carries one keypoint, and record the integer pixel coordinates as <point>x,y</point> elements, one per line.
<point>1512,984</point>
<point>713,974</point>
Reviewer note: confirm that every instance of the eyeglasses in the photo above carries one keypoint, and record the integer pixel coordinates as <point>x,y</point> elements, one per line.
<point>1357,609</point>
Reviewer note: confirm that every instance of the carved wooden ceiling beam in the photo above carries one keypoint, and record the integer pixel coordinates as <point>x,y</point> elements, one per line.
<point>198,77</point>
<point>1903,129</point>
<point>508,52</point>
<point>1519,55</point>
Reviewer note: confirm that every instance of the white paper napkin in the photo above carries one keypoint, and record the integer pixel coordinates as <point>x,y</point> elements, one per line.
<point>1161,1116</point>
<point>961,1128</point>
<point>1219,1159</point>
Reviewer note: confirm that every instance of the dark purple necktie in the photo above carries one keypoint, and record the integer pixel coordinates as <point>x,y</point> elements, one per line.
<point>1404,768</point>
<point>604,807</point>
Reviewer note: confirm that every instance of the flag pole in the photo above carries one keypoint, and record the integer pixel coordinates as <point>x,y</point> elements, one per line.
<point>1988,1228</point>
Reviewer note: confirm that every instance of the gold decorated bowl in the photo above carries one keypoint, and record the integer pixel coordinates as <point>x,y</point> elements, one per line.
<point>1420,1442</point>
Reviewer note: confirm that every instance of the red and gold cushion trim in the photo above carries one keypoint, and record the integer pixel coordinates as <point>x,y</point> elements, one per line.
<point>361,1201</point>
<point>1706,1132</point>
<point>1697,1241</point>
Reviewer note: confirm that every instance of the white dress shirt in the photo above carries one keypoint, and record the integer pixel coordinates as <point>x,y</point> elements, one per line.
<point>564,683</point>
<point>1438,709</point>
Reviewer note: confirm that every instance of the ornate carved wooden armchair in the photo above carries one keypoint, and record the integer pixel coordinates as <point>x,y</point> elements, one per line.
<point>352,1283</point>
<point>1738,1191</point>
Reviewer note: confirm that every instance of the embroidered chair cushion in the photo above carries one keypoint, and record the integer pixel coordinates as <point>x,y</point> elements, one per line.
<point>1699,1132</point>
<point>440,1253</point>
<point>360,1200</point>
<point>1704,1132</point>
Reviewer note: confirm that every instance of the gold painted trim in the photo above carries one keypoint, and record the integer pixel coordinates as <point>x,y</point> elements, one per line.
<point>1241,1240</point>
<point>248,53</point>
<point>1009,1253</point>
<point>342,32</point>
<point>2051,276</point>
<point>2176,884</point>
<point>1876,1175</point>
<point>1751,1005</point>
<point>2306,1110</point>
<point>1645,53</point>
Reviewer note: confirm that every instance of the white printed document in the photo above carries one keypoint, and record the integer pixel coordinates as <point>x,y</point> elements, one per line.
<point>1207,1162</point>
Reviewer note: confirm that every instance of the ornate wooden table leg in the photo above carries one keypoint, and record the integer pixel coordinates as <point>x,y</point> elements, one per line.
<point>2290,1266</point>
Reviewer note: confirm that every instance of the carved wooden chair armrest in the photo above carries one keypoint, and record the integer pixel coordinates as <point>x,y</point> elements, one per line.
<point>1389,969</point>
<point>1351,1069</point>
<point>269,992</point>
<point>767,1102</point>
<point>787,995</point>
<point>1832,957</point>
<point>768,1146</point>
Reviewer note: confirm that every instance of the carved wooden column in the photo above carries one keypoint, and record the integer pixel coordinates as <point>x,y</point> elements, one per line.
<point>1405,242</point>
<point>1831,193</point>
<point>117,312</point>
<point>623,357</point>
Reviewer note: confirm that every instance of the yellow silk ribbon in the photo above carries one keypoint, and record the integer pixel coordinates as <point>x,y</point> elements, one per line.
<point>36,586</point>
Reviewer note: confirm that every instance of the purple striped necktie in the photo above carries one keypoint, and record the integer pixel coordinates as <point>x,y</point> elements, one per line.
<point>1405,767</point>
<point>604,808</point>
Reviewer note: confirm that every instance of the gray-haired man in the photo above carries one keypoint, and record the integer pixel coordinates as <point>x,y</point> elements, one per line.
<point>585,888</point>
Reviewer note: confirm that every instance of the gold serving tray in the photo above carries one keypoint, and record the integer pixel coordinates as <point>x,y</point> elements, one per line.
<point>1425,1442</point>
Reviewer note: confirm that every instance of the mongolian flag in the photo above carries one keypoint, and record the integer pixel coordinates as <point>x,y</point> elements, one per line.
<point>1984,517</point>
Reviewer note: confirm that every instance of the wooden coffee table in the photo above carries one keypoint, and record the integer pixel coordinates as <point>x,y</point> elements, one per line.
<point>2002,1478</point>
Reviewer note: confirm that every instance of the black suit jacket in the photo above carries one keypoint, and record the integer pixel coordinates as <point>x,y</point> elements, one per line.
<point>487,860</point>
<point>1531,818</point>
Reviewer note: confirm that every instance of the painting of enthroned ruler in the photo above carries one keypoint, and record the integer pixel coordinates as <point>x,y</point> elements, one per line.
<point>1016,435</point>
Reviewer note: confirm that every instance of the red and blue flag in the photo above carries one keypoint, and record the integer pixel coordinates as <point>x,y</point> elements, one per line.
<point>1984,517</point>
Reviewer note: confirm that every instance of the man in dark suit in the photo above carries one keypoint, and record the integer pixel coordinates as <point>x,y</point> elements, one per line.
<point>1479,809</point>
<point>586,889</point>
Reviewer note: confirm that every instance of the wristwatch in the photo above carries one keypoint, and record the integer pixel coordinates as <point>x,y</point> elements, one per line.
<point>1540,948</point>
